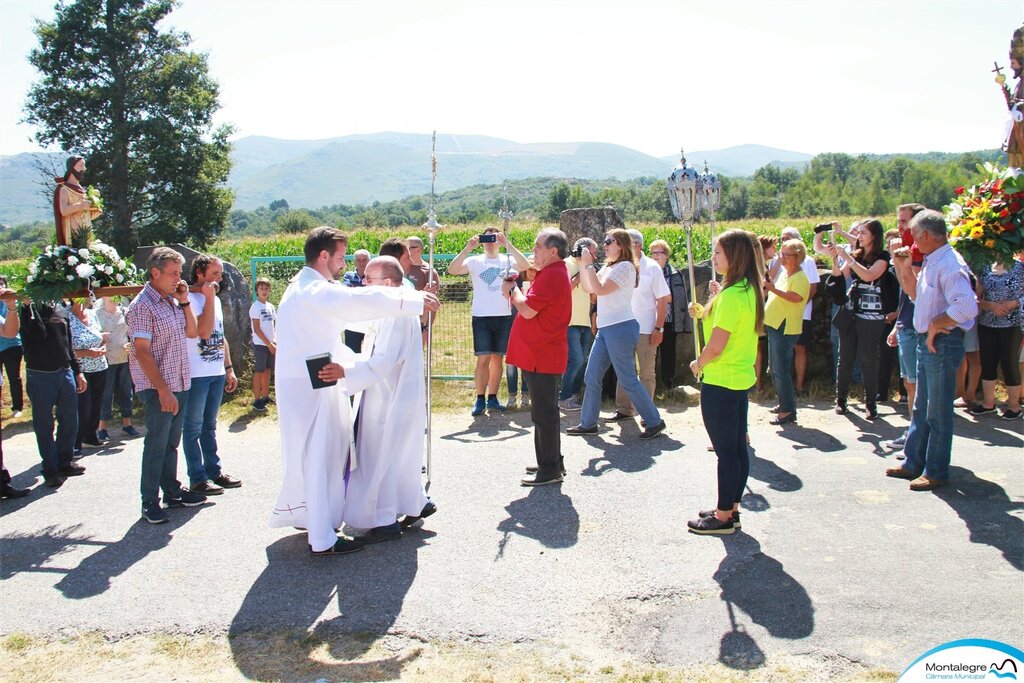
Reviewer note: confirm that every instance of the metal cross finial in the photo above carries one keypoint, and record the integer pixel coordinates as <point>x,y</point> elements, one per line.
<point>682,157</point>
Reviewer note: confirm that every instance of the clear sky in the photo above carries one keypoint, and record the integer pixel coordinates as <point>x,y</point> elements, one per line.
<point>805,75</point>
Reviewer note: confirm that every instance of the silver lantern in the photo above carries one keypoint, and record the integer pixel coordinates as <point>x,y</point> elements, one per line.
<point>685,195</point>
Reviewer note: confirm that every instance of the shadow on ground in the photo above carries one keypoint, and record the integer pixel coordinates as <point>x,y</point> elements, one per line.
<point>544,514</point>
<point>991,517</point>
<point>280,627</point>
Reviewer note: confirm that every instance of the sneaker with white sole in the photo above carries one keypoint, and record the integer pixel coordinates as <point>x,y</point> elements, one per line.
<point>570,405</point>
<point>897,444</point>
<point>153,513</point>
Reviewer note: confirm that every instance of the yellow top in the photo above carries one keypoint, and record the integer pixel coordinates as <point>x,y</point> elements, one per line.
<point>580,298</point>
<point>787,315</point>
<point>734,310</point>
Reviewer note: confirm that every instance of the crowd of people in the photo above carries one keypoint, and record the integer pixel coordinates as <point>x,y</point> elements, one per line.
<point>561,320</point>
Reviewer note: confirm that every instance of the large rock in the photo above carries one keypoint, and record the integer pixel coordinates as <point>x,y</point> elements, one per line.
<point>235,298</point>
<point>592,223</point>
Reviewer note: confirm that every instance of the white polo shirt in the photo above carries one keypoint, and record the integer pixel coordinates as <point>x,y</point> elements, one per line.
<point>645,297</point>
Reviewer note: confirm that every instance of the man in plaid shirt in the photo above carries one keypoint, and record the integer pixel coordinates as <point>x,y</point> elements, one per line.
<point>159,320</point>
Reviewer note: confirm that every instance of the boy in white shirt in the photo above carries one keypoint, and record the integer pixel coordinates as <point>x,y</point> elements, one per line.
<point>263,317</point>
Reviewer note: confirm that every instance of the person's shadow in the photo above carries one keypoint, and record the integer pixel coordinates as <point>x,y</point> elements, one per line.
<point>93,575</point>
<point>545,514</point>
<point>777,478</point>
<point>28,552</point>
<point>759,586</point>
<point>988,513</point>
<point>630,455</point>
<point>285,604</point>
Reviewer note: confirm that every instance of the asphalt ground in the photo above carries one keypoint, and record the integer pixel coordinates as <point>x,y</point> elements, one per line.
<point>835,562</point>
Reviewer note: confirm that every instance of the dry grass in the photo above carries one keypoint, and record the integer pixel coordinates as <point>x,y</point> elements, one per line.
<point>294,656</point>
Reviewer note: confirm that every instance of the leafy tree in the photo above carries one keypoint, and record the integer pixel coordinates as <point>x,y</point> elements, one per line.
<point>131,98</point>
<point>279,204</point>
<point>299,220</point>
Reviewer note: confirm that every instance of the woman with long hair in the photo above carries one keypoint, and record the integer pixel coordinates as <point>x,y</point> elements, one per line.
<point>735,317</point>
<point>869,301</point>
<point>783,323</point>
<point>617,334</point>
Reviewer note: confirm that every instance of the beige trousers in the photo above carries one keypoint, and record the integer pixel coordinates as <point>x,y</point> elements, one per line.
<point>647,356</point>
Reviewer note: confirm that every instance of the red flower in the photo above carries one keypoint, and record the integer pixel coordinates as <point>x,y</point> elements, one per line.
<point>1016,206</point>
<point>1004,213</point>
<point>1009,227</point>
<point>959,190</point>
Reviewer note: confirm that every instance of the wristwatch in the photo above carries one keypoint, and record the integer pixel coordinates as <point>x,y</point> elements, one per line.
<point>660,329</point>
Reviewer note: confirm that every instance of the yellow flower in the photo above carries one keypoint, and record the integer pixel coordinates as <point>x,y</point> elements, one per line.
<point>956,232</point>
<point>977,232</point>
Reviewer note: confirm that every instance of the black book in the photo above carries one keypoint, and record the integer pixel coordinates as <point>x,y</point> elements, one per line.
<point>314,364</point>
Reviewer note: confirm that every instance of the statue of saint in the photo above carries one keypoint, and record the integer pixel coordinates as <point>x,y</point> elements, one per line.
<point>73,211</point>
<point>1015,100</point>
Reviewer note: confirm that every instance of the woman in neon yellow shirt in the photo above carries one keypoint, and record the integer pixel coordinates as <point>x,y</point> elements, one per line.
<point>783,322</point>
<point>735,316</point>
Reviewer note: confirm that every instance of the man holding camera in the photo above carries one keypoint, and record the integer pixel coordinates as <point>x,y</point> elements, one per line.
<point>492,315</point>
<point>538,347</point>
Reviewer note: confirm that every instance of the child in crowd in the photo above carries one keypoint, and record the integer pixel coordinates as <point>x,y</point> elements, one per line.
<point>264,319</point>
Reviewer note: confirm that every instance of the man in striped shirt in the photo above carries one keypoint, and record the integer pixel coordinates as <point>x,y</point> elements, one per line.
<point>945,307</point>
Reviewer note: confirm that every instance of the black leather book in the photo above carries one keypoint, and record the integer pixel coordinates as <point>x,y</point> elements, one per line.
<point>314,364</point>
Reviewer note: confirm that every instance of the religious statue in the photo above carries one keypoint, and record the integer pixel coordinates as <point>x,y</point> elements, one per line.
<point>74,208</point>
<point>1014,100</point>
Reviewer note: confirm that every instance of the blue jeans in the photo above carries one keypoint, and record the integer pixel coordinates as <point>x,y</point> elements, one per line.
<point>46,391</point>
<point>580,340</point>
<point>930,439</point>
<point>120,377</point>
<point>512,379</point>
<point>160,447</point>
<point>780,359</point>
<point>724,412</point>
<point>200,430</point>
<point>615,345</point>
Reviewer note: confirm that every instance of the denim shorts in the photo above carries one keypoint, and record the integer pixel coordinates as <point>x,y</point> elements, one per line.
<point>907,346</point>
<point>264,358</point>
<point>805,335</point>
<point>971,339</point>
<point>490,334</point>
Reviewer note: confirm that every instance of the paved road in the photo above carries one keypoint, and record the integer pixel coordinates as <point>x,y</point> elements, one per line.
<point>835,560</point>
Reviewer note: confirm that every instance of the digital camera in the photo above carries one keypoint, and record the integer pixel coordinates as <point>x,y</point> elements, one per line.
<point>489,237</point>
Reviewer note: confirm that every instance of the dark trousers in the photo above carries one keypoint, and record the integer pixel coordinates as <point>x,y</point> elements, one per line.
<point>89,403</point>
<point>861,343</point>
<point>888,360</point>
<point>53,392</point>
<point>725,418</point>
<point>11,360</point>
<point>545,415</point>
<point>667,353</point>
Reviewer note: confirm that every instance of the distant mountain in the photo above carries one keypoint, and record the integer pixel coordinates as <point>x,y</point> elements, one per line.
<point>742,160</point>
<point>22,197</point>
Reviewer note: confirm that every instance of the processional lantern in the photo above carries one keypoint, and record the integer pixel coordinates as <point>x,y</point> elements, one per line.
<point>684,187</point>
<point>710,190</point>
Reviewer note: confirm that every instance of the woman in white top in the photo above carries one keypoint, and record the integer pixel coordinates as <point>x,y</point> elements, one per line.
<point>617,334</point>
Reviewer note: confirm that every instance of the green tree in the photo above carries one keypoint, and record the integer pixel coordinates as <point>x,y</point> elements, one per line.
<point>130,97</point>
<point>297,220</point>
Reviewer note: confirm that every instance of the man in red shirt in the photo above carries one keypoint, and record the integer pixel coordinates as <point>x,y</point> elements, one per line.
<point>537,345</point>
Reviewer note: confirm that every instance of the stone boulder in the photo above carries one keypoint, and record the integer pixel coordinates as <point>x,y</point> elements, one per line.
<point>235,298</point>
<point>592,223</point>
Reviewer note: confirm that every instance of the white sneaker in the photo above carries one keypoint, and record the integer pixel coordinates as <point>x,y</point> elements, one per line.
<point>897,444</point>
<point>16,413</point>
<point>570,405</point>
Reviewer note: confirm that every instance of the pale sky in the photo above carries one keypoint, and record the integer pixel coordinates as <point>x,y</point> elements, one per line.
<point>804,75</point>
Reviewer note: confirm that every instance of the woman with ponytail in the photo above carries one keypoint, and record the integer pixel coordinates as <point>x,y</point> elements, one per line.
<point>735,317</point>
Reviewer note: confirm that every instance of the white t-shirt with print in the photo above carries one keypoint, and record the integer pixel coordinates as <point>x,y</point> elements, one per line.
<point>645,297</point>
<point>265,313</point>
<point>616,307</point>
<point>485,274</point>
<point>206,356</point>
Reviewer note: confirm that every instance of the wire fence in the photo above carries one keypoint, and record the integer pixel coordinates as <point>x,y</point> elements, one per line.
<point>453,357</point>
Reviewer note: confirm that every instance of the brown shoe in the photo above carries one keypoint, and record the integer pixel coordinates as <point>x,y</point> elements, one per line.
<point>206,488</point>
<point>900,473</point>
<point>924,483</point>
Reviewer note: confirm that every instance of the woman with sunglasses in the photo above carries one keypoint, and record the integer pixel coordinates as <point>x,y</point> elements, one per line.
<point>617,334</point>
<point>783,322</point>
<point>735,317</point>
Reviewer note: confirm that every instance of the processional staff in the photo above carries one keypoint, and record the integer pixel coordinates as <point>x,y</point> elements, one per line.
<point>431,226</point>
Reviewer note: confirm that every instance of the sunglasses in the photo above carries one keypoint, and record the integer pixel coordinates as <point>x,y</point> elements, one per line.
<point>609,241</point>
<point>657,253</point>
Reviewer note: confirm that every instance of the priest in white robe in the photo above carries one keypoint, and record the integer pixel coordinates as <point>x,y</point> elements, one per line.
<point>315,424</point>
<point>388,381</point>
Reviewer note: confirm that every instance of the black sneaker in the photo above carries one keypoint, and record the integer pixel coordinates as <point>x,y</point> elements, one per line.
<point>390,532</point>
<point>54,481</point>
<point>618,417</point>
<point>343,546</point>
<point>153,513</point>
<point>184,499</point>
<point>580,430</point>
<point>541,480</point>
<point>227,481</point>
<point>71,470</point>
<point>259,405</point>
<point>978,409</point>
<point>428,509</point>
<point>533,469</point>
<point>1010,414</point>
<point>652,432</point>
<point>711,526</point>
<point>735,517</point>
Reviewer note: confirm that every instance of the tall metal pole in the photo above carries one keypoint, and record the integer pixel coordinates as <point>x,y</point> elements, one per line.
<point>431,227</point>
<point>506,217</point>
<point>688,227</point>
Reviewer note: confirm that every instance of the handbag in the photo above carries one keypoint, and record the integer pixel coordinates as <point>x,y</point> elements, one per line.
<point>843,320</point>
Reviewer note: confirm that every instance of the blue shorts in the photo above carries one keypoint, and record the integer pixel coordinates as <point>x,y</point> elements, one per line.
<point>805,335</point>
<point>906,343</point>
<point>490,334</point>
<point>971,339</point>
<point>264,358</point>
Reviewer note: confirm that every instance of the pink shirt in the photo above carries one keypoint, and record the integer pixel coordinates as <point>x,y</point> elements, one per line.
<point>160,320</point>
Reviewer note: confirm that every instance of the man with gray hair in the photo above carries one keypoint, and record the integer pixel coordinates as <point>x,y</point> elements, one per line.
<point>391,419</point>
<point>650,306</point>
<point>537,346</point>
<point>945,307</point>
<point>160,322</point>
